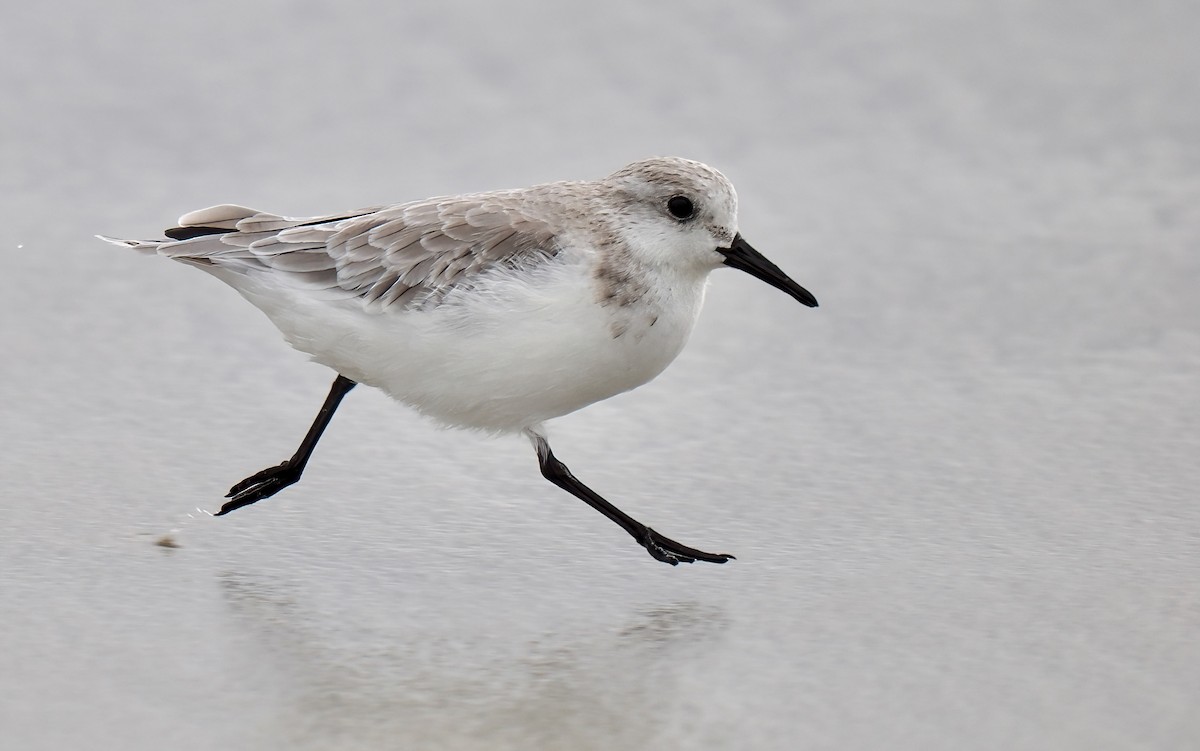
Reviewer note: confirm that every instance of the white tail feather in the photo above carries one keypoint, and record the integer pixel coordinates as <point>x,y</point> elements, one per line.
<point>143,246</point>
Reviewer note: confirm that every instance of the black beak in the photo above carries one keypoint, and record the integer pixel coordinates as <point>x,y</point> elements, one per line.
<point>740,255</point>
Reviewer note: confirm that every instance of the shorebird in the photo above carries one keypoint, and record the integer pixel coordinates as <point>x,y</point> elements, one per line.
<point>494,311</point>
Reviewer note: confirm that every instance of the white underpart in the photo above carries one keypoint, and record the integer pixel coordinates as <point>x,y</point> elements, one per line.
<point>510,353</point>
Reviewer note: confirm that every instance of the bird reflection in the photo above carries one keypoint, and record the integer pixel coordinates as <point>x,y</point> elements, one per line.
<point>602,689</point>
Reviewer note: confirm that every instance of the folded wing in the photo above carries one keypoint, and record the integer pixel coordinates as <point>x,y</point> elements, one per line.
<point>407,255</point>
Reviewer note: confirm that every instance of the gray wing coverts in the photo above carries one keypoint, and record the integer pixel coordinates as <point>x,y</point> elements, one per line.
<point>408,255</point>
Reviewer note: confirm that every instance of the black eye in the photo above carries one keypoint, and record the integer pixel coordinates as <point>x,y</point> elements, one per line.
<point>680,207</point>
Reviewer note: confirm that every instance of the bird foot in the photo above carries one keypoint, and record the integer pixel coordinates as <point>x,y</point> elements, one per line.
<point>260,485</point>
<point>668,551</point>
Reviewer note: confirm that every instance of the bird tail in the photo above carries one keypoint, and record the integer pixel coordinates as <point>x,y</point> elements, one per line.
<point>197,238</point>
<point>148,247</point>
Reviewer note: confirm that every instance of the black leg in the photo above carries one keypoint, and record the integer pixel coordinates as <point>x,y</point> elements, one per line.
<point>274,479</point>
<point>661,548</point>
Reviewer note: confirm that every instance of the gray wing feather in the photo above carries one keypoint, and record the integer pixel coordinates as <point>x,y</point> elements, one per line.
<point>408,255</point>
<point>225,216</point>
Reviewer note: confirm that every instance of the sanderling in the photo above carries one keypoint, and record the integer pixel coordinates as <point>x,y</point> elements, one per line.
<point>495,311</point>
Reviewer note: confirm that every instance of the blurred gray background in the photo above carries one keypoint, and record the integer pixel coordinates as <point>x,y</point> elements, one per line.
<point>962,492</point>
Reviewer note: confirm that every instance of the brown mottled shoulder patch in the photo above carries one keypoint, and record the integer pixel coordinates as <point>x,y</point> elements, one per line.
<point>618,283</point>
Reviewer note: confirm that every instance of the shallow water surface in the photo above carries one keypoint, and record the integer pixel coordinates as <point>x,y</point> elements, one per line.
<point>961,492</point>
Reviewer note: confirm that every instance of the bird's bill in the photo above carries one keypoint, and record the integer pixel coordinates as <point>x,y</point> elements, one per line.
<point>740,255</point>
